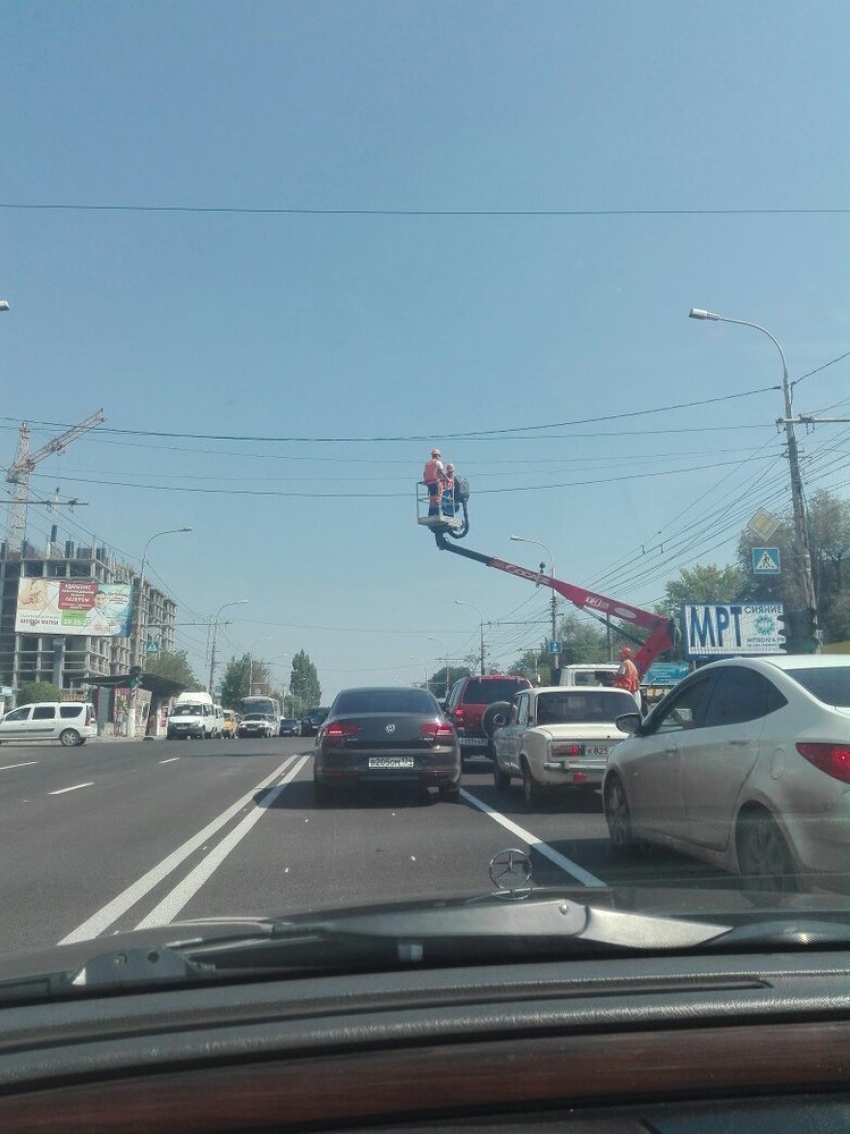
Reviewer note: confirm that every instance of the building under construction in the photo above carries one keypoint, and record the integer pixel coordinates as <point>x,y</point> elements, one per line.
<point>74,662</point>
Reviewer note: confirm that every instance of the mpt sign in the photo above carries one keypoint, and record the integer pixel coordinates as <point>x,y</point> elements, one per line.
<point>714,630</point>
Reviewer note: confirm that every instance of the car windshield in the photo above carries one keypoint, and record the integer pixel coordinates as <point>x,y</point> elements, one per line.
<point>268,270</point>
<point>832,686</point>
<point>186,710</point>
<point>573,708</point>
<point>488,691</point>
<point>384,701</point>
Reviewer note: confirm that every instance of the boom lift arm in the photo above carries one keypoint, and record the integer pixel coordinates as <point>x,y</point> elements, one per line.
<point>663,633</point>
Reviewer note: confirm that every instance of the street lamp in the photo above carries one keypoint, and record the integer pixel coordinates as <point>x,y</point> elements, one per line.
<point>522,539</point>
<point>458,602</point>
<point>431,638</point>
<point>265,638</point>
<point>804,565</point>
<point>224,606</point>
<point>4,304</point>
<point>136,651</point>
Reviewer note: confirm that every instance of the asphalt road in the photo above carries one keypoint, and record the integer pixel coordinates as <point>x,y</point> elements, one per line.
<point>116,835</point>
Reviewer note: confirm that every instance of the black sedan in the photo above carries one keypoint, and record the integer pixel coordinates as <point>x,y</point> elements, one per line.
<point>312,719</point>
<point>380,734</point>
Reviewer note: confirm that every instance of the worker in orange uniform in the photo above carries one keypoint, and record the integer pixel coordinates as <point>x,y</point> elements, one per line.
<point>434,477</point>
<point>447,504</point>
<point>627,676</point>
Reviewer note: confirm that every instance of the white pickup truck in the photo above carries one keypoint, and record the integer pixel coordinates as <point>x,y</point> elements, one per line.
<point>559,736</point>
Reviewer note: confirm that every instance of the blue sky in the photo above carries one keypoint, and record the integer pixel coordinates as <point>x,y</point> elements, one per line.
<point>314,326</point>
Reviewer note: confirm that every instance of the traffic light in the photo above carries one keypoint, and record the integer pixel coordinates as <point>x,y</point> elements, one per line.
<point>800,630</point>
<point>810,635</point>
<point>135,676</point>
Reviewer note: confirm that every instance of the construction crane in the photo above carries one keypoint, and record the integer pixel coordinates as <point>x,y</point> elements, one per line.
<point>22,466</point>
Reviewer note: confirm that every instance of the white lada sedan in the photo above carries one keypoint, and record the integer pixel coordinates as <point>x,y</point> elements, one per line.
<point>559,737</point>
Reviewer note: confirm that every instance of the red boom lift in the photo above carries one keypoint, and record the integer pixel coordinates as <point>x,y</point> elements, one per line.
<point>663,633</point>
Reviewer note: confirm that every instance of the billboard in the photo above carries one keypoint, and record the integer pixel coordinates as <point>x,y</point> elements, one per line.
<point>73,606</point>
<point>719,630</point>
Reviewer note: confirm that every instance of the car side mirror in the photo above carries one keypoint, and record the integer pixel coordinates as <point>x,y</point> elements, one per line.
<point>629,723</point>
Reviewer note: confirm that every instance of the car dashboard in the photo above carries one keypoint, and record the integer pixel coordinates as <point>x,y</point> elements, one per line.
<point>754,1041</point>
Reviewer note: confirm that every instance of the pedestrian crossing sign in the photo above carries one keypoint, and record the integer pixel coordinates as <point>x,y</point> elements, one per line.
<point>766,561</point>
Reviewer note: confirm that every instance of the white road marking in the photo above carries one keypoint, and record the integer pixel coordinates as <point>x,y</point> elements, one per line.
<point>104,917</point>
<point>170,760</point>
<point>560,860</point>
<point>173,903</point>
<point>25,764</point>
<point>76,787</point>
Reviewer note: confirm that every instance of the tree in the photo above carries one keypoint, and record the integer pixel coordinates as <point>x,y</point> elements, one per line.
<point>175,666</point>
<point>584,643</point>
<point>536,665</point>
<point>829,546</point>
<point>32,691</point>
<point>437,680</point>
<point>234,684</point>
<point>305,690</point>
<point>703,584</point>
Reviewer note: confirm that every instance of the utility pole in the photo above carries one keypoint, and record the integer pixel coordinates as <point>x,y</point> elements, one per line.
<point>803,564</point>
<point>458,602</point>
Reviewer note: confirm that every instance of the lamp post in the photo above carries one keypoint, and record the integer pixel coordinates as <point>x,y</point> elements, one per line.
<point>265,638</point>
<point>278,658</point>
<point>136,651</point>
<point>801,528</point>
<point>459,602</point>
<point>521,539</point>
<point>224,606</point>
<point>431,638</point>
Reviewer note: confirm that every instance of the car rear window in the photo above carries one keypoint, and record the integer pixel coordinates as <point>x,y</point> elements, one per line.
<point>830,685</point>
<point>583,708</point>
<point>385,701</point>
<point>68,712</point>
<point>485,692</point>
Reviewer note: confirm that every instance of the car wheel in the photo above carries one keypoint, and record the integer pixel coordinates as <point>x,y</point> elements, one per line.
<point>449,793</point>
<point>531,789</point>
<point>618,816</point>
<point>764,859</point>
<point>70,737</point>
<point>501,779</point>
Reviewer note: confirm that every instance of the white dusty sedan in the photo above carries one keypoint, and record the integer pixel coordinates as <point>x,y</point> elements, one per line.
<point>559,737</point>
<point>746,765</point>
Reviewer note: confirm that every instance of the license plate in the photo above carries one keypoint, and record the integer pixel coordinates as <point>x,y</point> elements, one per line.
<point>477,741</point>
<point>596,750</point>
<point>391,762</point>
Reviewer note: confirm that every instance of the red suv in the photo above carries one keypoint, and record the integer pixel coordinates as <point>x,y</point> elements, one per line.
<point>467,704</point>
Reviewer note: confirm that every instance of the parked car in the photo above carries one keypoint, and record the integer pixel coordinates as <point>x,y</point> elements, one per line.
<point>228,724</point>
<point>467,704</point>
<point>257,724</point>
<point>69,722</point>
<point>386,734</point>
<point>746,765</point>
<point>289,726</point>
<point>312,720</point>
<point>559,737</point>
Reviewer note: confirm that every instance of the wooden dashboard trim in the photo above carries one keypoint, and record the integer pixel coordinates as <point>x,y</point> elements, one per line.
<point>412,1081</point>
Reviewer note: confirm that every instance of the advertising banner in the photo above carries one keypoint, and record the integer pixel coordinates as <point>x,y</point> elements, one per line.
<point>717,630</point>
<point>73,606</point>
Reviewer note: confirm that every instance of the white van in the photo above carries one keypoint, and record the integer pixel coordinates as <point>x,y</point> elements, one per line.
<point>589,674</point>
<point>69,722</point>
<point>193,715</point>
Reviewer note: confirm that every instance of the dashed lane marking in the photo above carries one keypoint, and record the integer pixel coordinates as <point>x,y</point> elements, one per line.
<point>170,760</point>
<point>76,787</point>
<point>25,764</point>
<point>567,865</point>
<point>119,905</point>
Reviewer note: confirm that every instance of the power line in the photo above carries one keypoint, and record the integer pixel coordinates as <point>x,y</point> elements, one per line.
<point>465,435</point>
<point>248,210</point>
